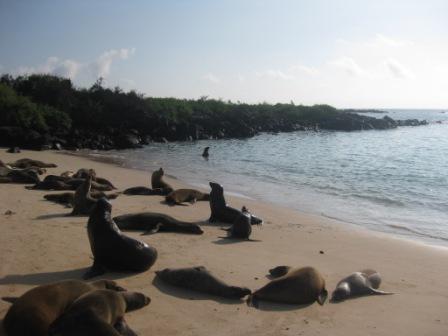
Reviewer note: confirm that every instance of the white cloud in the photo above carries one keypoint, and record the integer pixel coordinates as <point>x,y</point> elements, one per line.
<point>349,65</point>
<point>275,74</point>
<point>398,70</point>
<point>211,78</point>
<point>310,71</point>
<point>101,67</point>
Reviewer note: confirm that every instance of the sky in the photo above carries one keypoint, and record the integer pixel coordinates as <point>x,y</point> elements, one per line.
<point>346,53</point>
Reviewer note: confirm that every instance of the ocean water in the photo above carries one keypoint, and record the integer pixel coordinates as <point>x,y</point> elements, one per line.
<point>393,181</point>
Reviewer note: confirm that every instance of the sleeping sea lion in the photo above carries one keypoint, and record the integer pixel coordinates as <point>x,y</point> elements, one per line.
<point>82,201</point>
<point>152,222</point>
<point>112,250</point>
<point>98,313</point>
<point>158,183</point>
<point>67,198</point>
<point>361,283</point>
<point>33,312</point>
<point>186,195</point>
<point>144,191</point>
<point>221,212</point>
<point>27,163</point>
<point>201,280</point>
<point>298,286</point>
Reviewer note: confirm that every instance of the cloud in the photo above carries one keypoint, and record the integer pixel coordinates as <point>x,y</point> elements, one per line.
<point>382,40</point>
<point>349,65</point>
<point>398,70</point>
<point>211,78</point>
<point>101,67</point>
<point>275,74</point>
<point>311,71</point>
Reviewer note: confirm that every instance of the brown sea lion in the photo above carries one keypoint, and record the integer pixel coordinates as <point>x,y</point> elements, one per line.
<point>83,202</point>
<point>111,249</point>
<point>201,280</point>
<point>186,195</point>
<point>98,313</point>
<point>67,198</point>
<point>298,286</point>
<point>32,313</point>
<point>27,163</point>
<point>152,222</point>
<point>356,284</point>
<point>158,183</point>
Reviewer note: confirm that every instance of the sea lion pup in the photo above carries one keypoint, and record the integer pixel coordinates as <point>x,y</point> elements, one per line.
<point>158,183</point>
<point>186,195</point>
<point>298,286</point>
<point>112,250</point>
<point>82,201</point>
<point>221,212</point>
<point>67,198</point>
<point>205,152</point>
<point>152,222</point>
<point>98,313</point>
<point>361,283</point>
<point>201,280</point>
<point>33,312</point>
<point>27,163</point>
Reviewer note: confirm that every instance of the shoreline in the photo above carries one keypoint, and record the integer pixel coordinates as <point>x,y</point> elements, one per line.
<point>39,244</point>
<point>418,239</point>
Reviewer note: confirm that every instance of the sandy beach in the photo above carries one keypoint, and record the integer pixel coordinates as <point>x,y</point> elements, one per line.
<point>39,244</point>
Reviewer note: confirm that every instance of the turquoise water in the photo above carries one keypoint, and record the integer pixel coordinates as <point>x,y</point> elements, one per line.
<point>391,181</point>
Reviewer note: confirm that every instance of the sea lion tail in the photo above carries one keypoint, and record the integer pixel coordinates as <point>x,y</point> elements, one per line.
<point>10,299</point>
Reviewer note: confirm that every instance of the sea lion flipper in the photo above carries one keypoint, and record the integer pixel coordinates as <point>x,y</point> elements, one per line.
<point>123,328</point>
<point>153,230</point>
<point>379,292</point>
<point>94,271</point>
<point>10,299</point>
<point>322,297</point>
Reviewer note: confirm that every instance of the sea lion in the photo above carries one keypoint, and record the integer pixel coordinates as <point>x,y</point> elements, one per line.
<point>82,201</point>
<point>221,212</point>
<point>27,163</point>
<point>205,152</point>
<point>186,195</point>
<point>279,271</point>
<point>111,249</point>
<point>152,222</point>
<point>23,176</point>
<point>33,312</point>
<point>361,283</point>
<point>144,191</point>
<point>201,280</point>
<point>158,183</point>
<point>298,286</point>
<point>14,150</point>
<point>84,172</point>
<point>67,198</point>
<point>241,227</point>
<point>98,313</point>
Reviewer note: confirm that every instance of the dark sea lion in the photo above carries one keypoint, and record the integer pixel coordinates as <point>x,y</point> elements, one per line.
<point>221,212</point>
<point>152,222</point>
<point>23,176</point>
<point>144,191</point>
<point>158,183</point>
<point>32,313</point>
<point>298,286</point>
<point>27,163</point>
<point>13,150</point>
<point>279,271</point>
<point>186,195</point>
<point>82,201</point>
<point>241,227</point>
<point>67,198</point>
<point>111,249</point>
<point>84,172</point>
<point>356,284</point>
<point>201,280</point>
<point>205,152</point>
<point>98,313</point>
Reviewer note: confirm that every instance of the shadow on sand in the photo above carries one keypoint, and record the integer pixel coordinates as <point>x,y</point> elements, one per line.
<point>187,294</point>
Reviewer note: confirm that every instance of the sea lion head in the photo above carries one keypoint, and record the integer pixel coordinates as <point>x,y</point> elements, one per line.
<point>341,292</point>
<point>135,300</point>
<point>216,188</point>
